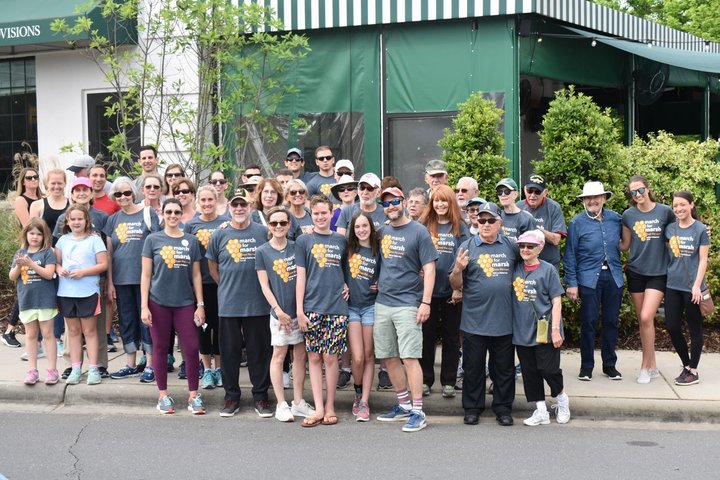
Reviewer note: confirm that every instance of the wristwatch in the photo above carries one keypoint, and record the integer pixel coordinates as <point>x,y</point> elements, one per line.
<point>201,304</point>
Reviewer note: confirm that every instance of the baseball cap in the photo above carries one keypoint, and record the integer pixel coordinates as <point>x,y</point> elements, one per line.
<point>394,191</point>
<point>241,194</point>
<point>535,180</point>
<point>434,167</point>
<point>371,179</point>
<point>84,181</point>
<point>534,237</point>
<point>296,151</point>
<point>507,182</point>
<point>475,201</point>
<point>344,163</point>
<point>81,162</point>
<point>491,208</point>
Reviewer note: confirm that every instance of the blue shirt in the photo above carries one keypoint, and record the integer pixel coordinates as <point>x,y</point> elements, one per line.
<point>589,244</point>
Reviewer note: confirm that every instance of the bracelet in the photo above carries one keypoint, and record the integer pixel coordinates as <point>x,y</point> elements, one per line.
<point>425,303</point>
<point>556,328</point>
<point>273,308</point>
<point>200,304</point>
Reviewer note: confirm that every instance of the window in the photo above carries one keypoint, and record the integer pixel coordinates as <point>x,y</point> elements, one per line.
<point>102,128</point>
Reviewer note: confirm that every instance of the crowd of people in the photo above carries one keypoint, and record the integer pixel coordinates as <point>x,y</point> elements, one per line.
<point>328,273</point>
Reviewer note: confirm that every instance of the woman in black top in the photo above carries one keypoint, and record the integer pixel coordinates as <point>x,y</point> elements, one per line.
<point>28,190</point>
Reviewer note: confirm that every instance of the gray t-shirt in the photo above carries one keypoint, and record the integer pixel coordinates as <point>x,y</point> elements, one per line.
<point>33,291</point>
<point>322,257</point>
<point>98,218</point>
<point>648,255</point>
<point>304,223</point>
<point>172,283</point>
<point>128,234</point>
<point>487,287</point>
<point>319,184</point>
<point>684,249</point>
<point>447,246</point>
<point>549,215</point>
<point>281,272</point>
<point>404,250</point>
<point>239,292</point>
<point>203,231</point>
<point>347,213</point>
<point>363,270</point>
<point>533,292</point>
<point>515,224</point>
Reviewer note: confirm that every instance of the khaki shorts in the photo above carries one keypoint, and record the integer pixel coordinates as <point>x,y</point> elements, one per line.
<point>396,332</point>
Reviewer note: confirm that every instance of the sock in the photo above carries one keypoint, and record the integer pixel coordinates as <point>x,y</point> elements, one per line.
<point>562,398</point>
<point>404,399</point>
<point>345,369</point>
<point>92,366</point>
<point>417,404</point>
<point>76,366</point>
<point>358,389</point>
<point>541,406</point>
<point>149,369</point>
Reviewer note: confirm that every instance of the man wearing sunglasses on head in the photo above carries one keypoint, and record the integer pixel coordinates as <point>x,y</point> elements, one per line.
<point>325,177</point>
<point>368,190</point>
<point>548,217</point>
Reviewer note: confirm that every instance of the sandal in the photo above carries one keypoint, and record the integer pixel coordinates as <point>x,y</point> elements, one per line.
<point>310,422</point>
<point>330,420</point>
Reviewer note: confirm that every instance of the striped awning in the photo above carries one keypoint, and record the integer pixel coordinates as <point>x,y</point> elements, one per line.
<point>299,15</point>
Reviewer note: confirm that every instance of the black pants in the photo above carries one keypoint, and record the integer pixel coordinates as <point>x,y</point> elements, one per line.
<point>676,302</point>
<point>538,363</point>
<point>210,337</point>
<point>444,319</point>
<point>502,354</point>
<point>256,331</point>
<point>14,317</point>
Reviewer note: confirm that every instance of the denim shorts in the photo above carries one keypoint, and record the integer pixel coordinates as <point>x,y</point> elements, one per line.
<point>364,315</point>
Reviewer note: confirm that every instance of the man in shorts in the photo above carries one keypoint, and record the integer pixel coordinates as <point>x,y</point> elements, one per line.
<point>402,305</point>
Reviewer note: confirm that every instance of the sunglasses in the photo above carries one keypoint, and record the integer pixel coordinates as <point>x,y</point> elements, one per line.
<point>294,160</point>
<point>31,177</point>
<point>281,223</point>
<point>173,212</point>
<point>174,175</point>
<point>533,191</point>
<point>501,192</point>
<point>218,182</point>
<point>491,221</point>
<point>126,193</point>
<point>344,172</point>
<point>326,158</point>
<point>367,188</point>
<point>183,191</point>
<point>472,210</point>
<point>394,202</point>
<point>637,192</point>
<point>238,204</point>
<point>292,193</point>
<point>526,246</point>
<point>461,190</point>
<point>250,188</point>
<point>152,187</point>
<point>346,189</point>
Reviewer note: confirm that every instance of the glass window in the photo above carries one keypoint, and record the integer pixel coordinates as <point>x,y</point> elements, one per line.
<point>102,128</point>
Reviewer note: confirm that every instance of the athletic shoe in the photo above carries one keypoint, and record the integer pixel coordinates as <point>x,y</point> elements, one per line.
<point>654,373</point>
<point>60,349</point>
<point>448,391</point>
<point>262,408</point>
<point>384,382</point>
<point>286,380</point>
<point>644,376</point>
<point>459,384</point>
<point>537,418</point>
<point>40,354</point>
<point>111,346</point>
<point>66,373</point>
<point>182,374</point>
<point>426,390</point>
<point>148,375</point>
<point>283,413</point>
<point>302,409</point>
<point>10,340</point>
<point>218,378</point>
<point>170,363</point>
<point>74,377</point>
<point>343,380</point>
<point>32,377</point>
<point>201,370</point>
<point>142,364</point>
<point>103,372</point>
<point>562,412</point>
<point>166,405</point>
<point>51,377</point>
<point>356,404</point>
<point>94,377</point>
<point>585,374</point>
<point>612,373</point>
<point>208,380</point>
<point>396,414</point>
<point>196,405</point>
<point>125,372</point>
<point>416,422</point>
<point>231,407</point>
<point>518,371</point>
<point>363,414</point>
<point>687,378</point>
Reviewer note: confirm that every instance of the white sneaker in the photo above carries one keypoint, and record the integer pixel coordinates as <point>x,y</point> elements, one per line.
<point>562,412</point>
<point>654,373</point>
<point>60,349</point>
<point>283,412</point>
<point>40,354</point>
<point>302,409</point>
<point>538,418</point>
<point>286,380</point>
<point>644,376</point>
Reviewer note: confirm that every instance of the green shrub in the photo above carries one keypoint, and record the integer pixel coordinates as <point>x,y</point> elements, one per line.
<point>9,234</point>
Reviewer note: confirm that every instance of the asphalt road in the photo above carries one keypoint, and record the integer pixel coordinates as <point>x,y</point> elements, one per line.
<point>66,444</point>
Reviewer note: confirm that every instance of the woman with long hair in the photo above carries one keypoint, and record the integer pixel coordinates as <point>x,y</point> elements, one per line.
<point>173,173</point>
<point>268,194</point>
<point>28,190</point>
<point>220,182</point>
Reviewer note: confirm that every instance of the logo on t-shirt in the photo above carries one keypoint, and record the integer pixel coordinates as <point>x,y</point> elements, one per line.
<point>325,188</point>
<point>233,248</point>
<point>176,256</point>
<point>681,246</point>
<point>326,254</point>
<point>491,263</point>
<point>362,267</point>
<point>203,235</point>
<point>168,255</point>
<point>129,231</point>
<point>523,289</point>
<point>121,232</point>
<point>392,246</point>
<point>241,249</point>
<point>444,243</point>
<point>647,229</point>
<point>284,268</point>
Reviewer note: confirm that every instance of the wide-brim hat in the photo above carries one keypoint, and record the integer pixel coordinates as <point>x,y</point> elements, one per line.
<point>593,189</point>
<point>344,180</point>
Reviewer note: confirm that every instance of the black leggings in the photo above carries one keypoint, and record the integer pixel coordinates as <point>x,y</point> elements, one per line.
<point>676,302</point>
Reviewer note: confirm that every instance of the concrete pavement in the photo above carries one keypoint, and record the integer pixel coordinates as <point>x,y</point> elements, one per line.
<point>600,398</point>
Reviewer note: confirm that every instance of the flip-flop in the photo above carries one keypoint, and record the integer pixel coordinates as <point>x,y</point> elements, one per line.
<point>310,422</point>
<point>330,420</point>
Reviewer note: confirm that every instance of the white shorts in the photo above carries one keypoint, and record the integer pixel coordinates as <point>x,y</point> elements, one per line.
<point>280,337</point>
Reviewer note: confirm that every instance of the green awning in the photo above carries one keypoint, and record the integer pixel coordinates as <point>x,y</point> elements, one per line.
<point>698,61</point>
<point>25,24</point>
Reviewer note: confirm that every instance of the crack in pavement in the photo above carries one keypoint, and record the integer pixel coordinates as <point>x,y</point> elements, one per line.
<point>75,472</point>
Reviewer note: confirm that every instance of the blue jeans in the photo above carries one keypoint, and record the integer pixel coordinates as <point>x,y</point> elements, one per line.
<point>132,330</point>
<point>606,296</point>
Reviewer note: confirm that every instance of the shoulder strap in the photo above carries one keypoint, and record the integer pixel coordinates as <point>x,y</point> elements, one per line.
<point>146,218</point>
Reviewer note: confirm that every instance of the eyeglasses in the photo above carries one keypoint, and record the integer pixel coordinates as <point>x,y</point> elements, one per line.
<point>461,190</point>
<point>346,189</point>
<point>31,177</point>
<point>483,221</point>
<point>345,172</point>
<point>533,191</point>
<point>238,204</point>
<point>173,212</point>
<point>394,202</point>
<point>218,181</point>
<point>174,175</point>
<point>152,187</point>
<point>472,210</point>
<point>183,191</point>
<point>501,192</point>
<point>326,158</point>
<point>126,193</point>
<point>292,193</point>
<point>367,188</point>
<point>526,246</point>
<point>281,223</point>
<point>637,192</point>
<point>294,160</point>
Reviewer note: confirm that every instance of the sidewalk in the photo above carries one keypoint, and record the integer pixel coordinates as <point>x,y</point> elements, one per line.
<point>601,398</point>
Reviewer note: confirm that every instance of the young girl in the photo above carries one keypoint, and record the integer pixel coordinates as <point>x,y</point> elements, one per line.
<point>361,275</point>
<point>689,245</point>
<point>276,271</point>
<point>34,265</point>
<point>322,306</point>
<point>81,258</point>
<point>536,306</point>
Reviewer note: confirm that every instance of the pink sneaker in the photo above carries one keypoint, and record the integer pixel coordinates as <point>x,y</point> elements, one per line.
<point>32,377</point>
<point>356,404</point>
<point>363,413</point>
<point>52,376</point>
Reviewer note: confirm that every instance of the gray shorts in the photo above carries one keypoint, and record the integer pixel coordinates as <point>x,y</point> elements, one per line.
<point>396,332</point>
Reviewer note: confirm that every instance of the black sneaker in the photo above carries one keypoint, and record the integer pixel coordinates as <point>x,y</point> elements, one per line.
<point>231,407</point>
<point>612,373</point>
<point>687,378</point>
<point>10,340</point>
<point>103,372</point>
<point>384,382</point>
<point>262,407</point>
<point>243,358</point>
<point>343,380</point>
<point>66,373</point>
<point>585,374</point>
<point>110,345</point>
<point>182,375</point>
